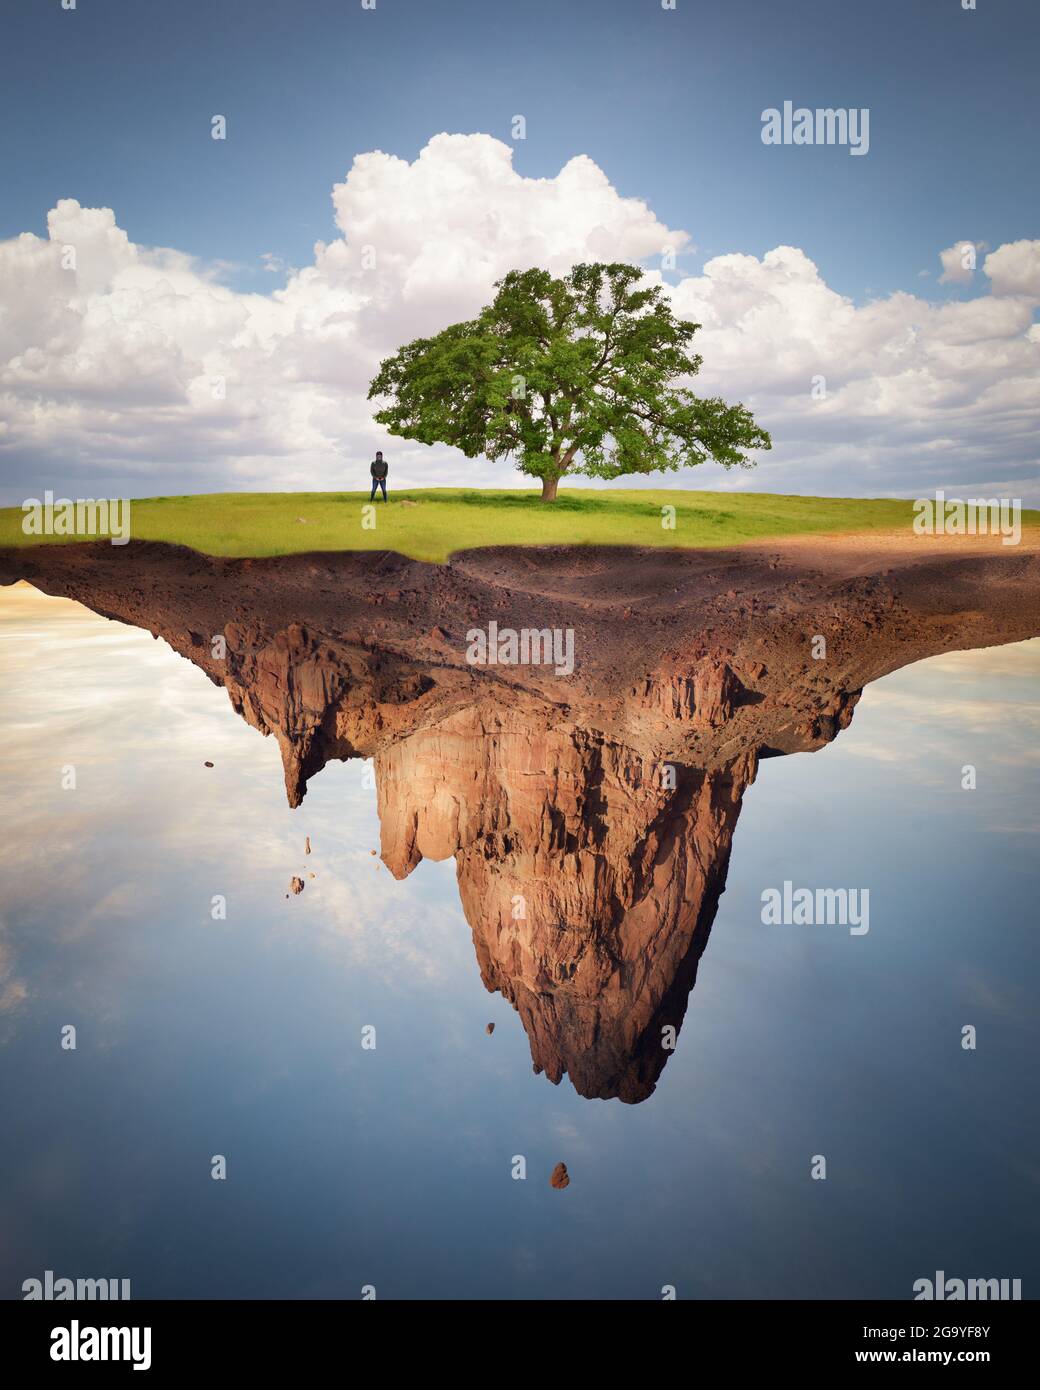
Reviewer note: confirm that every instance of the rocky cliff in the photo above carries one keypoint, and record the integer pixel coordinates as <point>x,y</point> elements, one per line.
<point>590,814</point>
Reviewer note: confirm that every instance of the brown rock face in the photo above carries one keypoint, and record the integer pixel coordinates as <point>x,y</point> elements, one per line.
<point>560,1177</point>
<point>590,889</point>
<point>591,815</point>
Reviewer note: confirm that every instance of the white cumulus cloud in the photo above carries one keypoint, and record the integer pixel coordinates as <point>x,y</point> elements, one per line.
<point>1015,269</point>
<point>960,261</point>
<point>127,369</point>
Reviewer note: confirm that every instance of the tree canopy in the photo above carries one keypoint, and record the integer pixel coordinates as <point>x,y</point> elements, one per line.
<point>572,375</point>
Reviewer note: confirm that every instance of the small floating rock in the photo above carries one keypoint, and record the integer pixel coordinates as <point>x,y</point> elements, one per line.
<point>207,764</point>
<point>489,1029</point>
<point>560,1176</point>
<point>296,884</point>
<point>307,846</point>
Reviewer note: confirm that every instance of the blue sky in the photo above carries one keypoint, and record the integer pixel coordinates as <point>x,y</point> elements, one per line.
<point>110,105</point>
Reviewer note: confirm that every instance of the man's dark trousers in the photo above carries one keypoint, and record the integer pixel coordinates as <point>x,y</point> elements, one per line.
<point>378,482</point>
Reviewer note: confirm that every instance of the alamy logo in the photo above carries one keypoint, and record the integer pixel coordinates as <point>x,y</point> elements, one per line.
<point>943,1289</point>
<point>79,1343</point>
<point>845,907</point>
<point>822,126</point>
<point>83,517</point>
<point>50,1288</point>
<point>978,516</point>
<point>531,646</point>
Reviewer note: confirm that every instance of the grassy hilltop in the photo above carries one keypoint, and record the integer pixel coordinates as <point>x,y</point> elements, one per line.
<point>430,523</point>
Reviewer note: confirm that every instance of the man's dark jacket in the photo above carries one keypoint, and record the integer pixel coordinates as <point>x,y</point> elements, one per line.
<point>378,469</point>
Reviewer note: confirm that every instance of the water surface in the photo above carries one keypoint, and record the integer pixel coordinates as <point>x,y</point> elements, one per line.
<point>392,1167</point>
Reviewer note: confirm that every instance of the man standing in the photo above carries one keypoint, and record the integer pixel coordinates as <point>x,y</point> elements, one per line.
<point>379,472</point>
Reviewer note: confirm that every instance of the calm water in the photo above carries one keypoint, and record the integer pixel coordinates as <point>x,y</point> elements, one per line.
<point>392,1167</point>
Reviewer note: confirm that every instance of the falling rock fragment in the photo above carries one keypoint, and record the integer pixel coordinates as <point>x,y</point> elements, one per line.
<point>307,846</point>
<point>207,764</point>
<point>489,1029</point>
<point>560,1177</point>
<point>296,884</point>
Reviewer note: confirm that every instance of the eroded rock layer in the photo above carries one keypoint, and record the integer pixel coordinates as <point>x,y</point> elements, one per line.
<point>590,814</point>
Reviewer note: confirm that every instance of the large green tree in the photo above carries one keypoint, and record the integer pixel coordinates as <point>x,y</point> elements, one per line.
<point>570,376</point>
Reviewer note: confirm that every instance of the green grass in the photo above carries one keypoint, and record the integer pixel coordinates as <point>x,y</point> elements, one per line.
<point>449,519</point>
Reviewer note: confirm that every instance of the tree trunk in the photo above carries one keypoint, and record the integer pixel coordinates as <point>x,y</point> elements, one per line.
<point>549,486</point>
